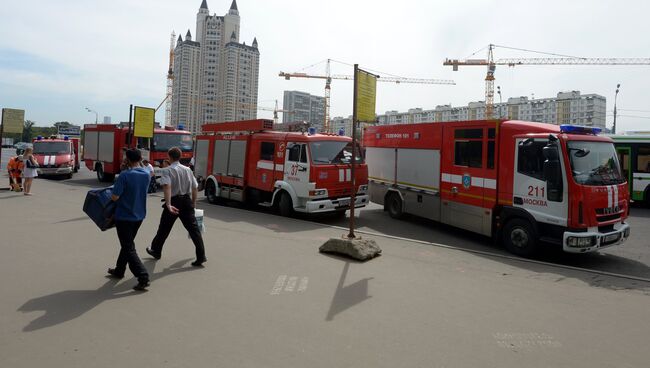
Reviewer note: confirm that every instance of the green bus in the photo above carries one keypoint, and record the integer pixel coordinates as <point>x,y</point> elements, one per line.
<point>634,155</point>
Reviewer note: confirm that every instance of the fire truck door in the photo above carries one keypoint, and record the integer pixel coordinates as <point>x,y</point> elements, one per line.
<point>296,168</point>
<point>544,198</point>
<point>463,178</point>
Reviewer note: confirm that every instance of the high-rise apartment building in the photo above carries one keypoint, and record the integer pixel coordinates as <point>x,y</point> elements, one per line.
<point>225,72</point>
<point>302,106</point>
<point>185,91</point>
<point>567,108</point>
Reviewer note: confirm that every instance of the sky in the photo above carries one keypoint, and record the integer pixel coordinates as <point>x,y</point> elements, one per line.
<point>59,57</point>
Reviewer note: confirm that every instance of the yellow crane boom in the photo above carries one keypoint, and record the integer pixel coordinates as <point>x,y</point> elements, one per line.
<point>328,81</point>
<point>491,64</point>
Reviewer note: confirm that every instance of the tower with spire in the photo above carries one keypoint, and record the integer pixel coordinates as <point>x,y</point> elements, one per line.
<point>226,72</point>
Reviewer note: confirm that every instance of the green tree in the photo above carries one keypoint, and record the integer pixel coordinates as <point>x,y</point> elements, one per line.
<point>28,131</point>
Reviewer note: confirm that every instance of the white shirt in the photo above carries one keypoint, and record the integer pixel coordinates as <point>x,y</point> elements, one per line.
<point>180,178</point>
<point>149,168</point>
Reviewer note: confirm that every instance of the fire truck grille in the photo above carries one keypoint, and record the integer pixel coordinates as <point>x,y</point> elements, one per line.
<point>341,192</point>
<point>608,214</point>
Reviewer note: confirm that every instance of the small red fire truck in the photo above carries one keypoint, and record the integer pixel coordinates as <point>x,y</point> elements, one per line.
<point>105,144</point>
<point>518,181</point>
<point>303,172</point>
<point>57,155</point>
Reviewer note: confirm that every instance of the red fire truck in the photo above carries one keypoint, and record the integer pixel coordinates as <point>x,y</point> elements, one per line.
<point>522,182</point>
<point>57,155</point>
<point>303,172</point>
<point>105,144</point>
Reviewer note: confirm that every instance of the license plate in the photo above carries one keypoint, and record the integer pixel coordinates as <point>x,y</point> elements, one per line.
<point>611,237</point>
<point>344,203</point>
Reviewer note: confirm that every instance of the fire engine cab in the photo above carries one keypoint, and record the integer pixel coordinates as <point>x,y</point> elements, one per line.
<point>303,172</point>
<point>105,146</point>
<point>523,182</point>
<point>57,155</point>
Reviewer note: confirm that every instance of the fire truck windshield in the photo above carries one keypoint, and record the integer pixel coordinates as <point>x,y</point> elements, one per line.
<point>594,163</point>
<point>163,142</point>
<point>51,148</point>
<point>332,152</point>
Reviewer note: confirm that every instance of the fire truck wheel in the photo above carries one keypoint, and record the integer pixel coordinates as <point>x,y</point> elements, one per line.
<point>520,238</point>
<point>211,192</point>
<point>394,206</point>
<point>102,176</point>
<point>285,205</point>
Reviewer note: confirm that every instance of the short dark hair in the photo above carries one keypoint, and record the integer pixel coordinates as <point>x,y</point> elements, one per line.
<point>174,153</point>
<point>133,155</point>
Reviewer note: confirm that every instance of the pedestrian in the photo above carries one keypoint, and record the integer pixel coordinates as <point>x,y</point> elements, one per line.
<point>152,182</point>
<point>180,191</point>
<point>15,168</point>
<point>165,164</point>
<point>29,172</point>
<point>130,197</point>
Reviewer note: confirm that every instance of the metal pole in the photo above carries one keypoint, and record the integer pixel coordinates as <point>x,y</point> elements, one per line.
<point>615,97</point>
<point>96,117</point>
<point>2,130</point>
<point>354,154</point>
<point>128,136</point>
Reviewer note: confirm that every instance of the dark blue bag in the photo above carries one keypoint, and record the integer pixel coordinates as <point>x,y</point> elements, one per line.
<point>100,208</point>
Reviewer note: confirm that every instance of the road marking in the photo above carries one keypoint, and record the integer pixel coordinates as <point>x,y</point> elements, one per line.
<point>525,340</point>
<point>303,284</point>
<point>291,284</point>
<point>279,284</point>
<point>288,284</point>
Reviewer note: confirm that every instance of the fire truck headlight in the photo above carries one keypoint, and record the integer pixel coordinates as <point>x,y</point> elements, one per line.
<point>581,242</point>
<point>318,192</point>
<point>363,188</point>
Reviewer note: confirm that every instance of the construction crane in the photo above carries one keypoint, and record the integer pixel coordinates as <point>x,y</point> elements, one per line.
<point>170,82</point>
<point>275,110</point>
<point>563,60</point>
<point>328,81</point>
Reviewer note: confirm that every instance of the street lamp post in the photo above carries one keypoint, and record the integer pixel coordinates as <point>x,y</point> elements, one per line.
<point>96,114</point>
<point>615,96</point>
<point>500,106</point>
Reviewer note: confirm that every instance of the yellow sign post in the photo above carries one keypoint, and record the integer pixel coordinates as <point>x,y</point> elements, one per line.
<point>143,121</point>
<point>13,120</point>
<point>363,109</point>
<point>366,95</point>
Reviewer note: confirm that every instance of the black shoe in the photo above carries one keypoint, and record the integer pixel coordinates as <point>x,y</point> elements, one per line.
<point>199,262</point>
<point>112,273</point>
<point>142,285</point>
<point>153,254</point>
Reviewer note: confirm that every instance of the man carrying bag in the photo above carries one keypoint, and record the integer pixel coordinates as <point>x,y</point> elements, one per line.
<point>130,197</point>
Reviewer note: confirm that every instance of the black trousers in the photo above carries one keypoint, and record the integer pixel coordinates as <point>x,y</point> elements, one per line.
<point>126,232</point>
<point>186,215</point>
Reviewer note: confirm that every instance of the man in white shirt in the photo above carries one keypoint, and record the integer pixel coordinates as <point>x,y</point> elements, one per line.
<point>181,191</point>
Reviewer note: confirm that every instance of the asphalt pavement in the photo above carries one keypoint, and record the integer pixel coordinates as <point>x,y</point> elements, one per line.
<point>267,298</point>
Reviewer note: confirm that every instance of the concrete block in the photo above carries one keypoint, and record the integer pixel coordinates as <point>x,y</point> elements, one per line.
<point>359,249</point>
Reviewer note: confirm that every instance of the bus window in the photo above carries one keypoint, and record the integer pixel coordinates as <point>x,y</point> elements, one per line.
<point>643,160</point>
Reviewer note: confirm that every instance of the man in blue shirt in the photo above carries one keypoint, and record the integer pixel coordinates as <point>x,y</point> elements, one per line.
<point>130,195</point>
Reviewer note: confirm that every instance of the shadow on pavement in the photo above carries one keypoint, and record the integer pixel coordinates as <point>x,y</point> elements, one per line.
<point>67,305</point>
<point>412,227</point>
<point>346,297</point>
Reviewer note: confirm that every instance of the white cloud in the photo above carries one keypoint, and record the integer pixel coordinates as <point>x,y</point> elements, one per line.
<point>118,50</point>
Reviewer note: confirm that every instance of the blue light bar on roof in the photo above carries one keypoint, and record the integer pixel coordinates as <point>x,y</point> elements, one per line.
<point>579,129</point>
<point>65,138</point>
